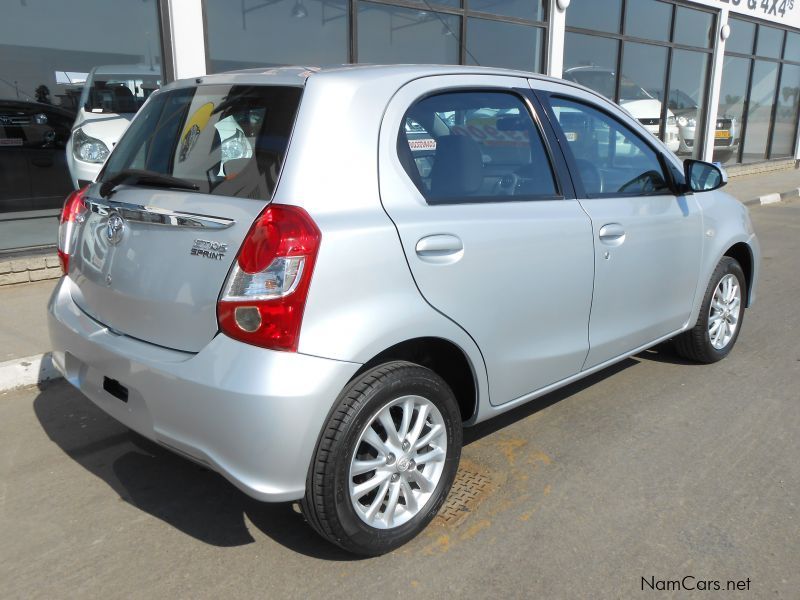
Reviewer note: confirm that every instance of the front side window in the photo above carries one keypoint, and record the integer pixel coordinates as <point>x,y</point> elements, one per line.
<point>611,160</point>
<point>463,147</point>
<point>228,140</point>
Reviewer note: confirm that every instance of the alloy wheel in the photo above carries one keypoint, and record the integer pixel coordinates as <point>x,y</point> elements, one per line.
<point>398,461</point>
<point>723,314</point>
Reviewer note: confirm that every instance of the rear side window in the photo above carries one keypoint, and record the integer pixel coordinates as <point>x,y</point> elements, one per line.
<point>610,159</point>
<point>228,140</point>
<point>460,147</point>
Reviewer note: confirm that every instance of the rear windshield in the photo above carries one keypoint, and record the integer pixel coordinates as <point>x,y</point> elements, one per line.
<point>228,140</point>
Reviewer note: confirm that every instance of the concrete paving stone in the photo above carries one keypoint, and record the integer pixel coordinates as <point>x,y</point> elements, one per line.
<point>19,265</point>
<point>23,318</point>
<point>14,277</point>
<point>43,274</point>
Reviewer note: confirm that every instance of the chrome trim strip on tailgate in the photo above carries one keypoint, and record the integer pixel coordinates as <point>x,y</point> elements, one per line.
<point>157,216</point>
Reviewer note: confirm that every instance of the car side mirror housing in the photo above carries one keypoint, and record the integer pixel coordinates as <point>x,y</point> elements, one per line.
<point>704,176</point>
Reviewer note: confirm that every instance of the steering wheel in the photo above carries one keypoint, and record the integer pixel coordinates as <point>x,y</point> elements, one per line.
<point>646,183</point>
<point>505,185</point>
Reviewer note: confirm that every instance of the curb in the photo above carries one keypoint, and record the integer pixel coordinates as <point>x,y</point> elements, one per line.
<point>773,198</point>
<point>31,370</point>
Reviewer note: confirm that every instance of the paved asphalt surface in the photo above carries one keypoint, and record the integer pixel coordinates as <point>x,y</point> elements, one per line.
<point>654,468</point>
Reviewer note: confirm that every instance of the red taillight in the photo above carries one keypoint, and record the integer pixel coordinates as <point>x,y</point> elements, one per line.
<point>264,296</point>
<point>71,214</point>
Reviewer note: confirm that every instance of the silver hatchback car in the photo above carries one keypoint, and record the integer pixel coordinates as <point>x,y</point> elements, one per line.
<point>310,280</point>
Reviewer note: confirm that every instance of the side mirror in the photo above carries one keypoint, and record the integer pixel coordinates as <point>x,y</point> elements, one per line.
<point>704,177</point>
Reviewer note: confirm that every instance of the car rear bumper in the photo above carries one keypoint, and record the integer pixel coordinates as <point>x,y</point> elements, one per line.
<point>251,414</point>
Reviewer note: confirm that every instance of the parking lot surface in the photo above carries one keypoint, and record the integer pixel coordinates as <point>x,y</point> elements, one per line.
<point>653,469</point>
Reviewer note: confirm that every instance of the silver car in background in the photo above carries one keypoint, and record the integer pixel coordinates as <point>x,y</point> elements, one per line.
<point>310,280</point>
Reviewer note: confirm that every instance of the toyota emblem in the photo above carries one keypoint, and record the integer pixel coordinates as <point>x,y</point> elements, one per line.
<point>115,228</point>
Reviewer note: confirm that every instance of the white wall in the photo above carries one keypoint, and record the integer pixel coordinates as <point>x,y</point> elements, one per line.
<point>716,83</point>
<point>188,41</point>
<point>555,40</point>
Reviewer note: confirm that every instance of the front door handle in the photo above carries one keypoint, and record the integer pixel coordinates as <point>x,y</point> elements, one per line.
<point>440,248</point>
<point>612,234</point>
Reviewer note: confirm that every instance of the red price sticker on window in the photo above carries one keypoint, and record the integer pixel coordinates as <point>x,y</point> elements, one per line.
<point>427,144</point>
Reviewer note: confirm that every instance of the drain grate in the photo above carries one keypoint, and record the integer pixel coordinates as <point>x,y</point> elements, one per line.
<point>469,489</point>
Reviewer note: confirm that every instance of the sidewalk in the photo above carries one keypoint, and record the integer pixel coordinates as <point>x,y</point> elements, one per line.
<point>748,188</point>
<point>23,319</point>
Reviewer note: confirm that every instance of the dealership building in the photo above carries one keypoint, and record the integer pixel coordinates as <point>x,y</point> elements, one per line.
<point>715,79</point>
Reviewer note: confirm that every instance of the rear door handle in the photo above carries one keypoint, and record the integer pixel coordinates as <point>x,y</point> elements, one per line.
<point>440,248</point>
<point>612,234</point>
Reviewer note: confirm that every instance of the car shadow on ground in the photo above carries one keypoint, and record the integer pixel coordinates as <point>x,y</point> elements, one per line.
<point>486,428</point>
<point>666,353</point>
<point>199,502</point>
<point>187,496</point>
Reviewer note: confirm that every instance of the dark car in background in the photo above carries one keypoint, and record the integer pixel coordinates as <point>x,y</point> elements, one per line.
<point>33,166</point>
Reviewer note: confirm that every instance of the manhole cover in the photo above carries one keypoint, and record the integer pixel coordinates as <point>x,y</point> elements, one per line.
<point>469,489</point>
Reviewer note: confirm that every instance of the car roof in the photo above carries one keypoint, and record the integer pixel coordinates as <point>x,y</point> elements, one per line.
<point>297,75</point>
<point>355,75</point>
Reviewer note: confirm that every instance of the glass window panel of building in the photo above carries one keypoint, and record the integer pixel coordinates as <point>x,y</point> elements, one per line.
<point>688,82</point>
<point>257,34</point>
<point>642,87</point>
<point>594,15</point>
<point>531,10</point>
<point>393,34</point>
<point>503,44</point>
<point>44,68</point>
<point>786,112</point>
<point>759,110</point>
<point>644,69</point>
<point>592,61</point>
<point>770,42</point>
<point>732,97</point>
<point>648,19</point>
<point>759,92</point>
<point>742,37</point>
<point>693,27</point>
<point>792,50</point>
<point>435,3</point>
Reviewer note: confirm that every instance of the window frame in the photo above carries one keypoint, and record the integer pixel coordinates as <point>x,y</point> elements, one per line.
<point>667,169</point>
<point>559,170</point>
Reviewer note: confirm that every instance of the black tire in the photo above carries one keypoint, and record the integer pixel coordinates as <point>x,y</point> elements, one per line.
<point>327,505</point>
<point>695,344</point>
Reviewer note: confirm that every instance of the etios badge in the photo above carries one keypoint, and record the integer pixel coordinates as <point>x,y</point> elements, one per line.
<point>115,229</point>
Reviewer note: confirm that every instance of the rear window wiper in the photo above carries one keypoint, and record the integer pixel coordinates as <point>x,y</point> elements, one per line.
<point>142,177</point>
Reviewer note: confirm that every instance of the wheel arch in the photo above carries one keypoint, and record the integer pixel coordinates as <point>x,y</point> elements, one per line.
<point>443,357</point>
<point>743,254</point>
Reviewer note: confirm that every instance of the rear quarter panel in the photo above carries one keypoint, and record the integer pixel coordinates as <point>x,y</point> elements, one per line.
<point>362,299</point>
